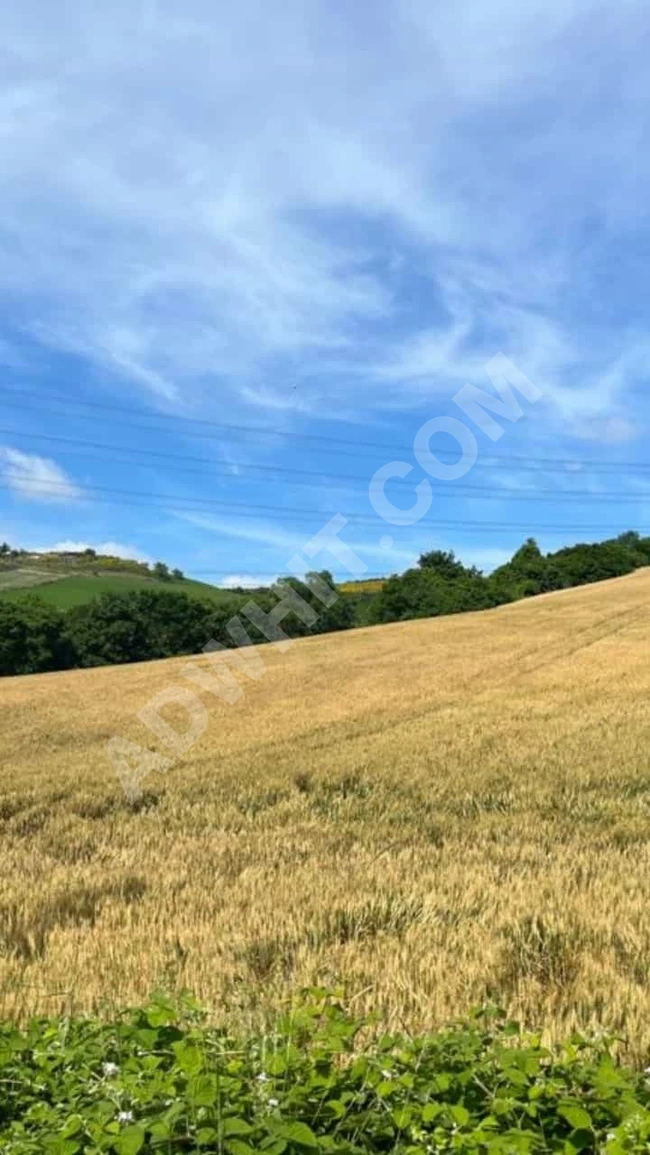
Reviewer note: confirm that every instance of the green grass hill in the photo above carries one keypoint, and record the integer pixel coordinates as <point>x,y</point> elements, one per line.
<point>71,579</point>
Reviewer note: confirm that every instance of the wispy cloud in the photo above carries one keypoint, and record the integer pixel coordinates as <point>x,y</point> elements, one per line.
<point>229,460</point>
<point>36,478</point>
<point>265,533</point>
<point>206,209</point>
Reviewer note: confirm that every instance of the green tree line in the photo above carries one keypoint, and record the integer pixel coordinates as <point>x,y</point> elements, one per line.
<point>441,584</point>
<point>148,624</point>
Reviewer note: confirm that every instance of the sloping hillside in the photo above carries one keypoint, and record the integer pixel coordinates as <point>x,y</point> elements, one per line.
<point>67,580</point>
<point>66,591</point>
<point>435,812</point>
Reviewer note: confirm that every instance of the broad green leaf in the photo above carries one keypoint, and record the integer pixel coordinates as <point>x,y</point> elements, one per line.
<point>161,1129</point>
<point>275,1065</point>
<point>575,1116</point>
<point>56,1145</point>
<point>430,1111</point>
<point>459,1114</point>
<point>130,1141</point>
<point>159,1014</point>
<point>203,1090</point>
<point>273,1146</point>
<point>147,1037</point>
<point>298,1133</point>
<point>233,1125</point>
<point>237,1147</point>
<point>385,1088</point>
<point>402,1117</point>
<point>335,1107</point>
<point>207,1135</point>
<point>72,1126</point>
<point>188,1057</point>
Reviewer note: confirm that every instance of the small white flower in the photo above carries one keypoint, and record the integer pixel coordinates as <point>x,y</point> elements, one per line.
<point>110,1069</point>
<point>273,1103</point>
<point>387,1074</point>
<point>125,1117</point>
<point>262,1077</point>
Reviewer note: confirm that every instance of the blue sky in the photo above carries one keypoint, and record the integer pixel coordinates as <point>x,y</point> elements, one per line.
<point>315,222</point>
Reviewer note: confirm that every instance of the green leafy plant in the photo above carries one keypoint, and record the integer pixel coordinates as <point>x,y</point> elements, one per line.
<point>159,1079</point>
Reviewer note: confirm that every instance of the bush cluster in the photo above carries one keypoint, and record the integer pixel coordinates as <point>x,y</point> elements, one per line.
<point>142,625</point>
<point>440,584</point>
<point>158,1079</point>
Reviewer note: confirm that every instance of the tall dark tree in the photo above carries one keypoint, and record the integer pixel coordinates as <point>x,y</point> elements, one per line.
<point>33,638</point>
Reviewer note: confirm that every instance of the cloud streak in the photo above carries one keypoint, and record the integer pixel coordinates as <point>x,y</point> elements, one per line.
<point>265,533</point>
<point>35,478</point>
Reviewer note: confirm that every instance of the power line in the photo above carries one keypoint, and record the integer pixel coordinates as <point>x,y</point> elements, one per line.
<point>158,453</point>
<point>38,406</point>
<point>226,428</point>
<point>185,504</point>
<point>277,472</point>
<point>497,528</point>
<point>265,430</point>
<point>477,492</point>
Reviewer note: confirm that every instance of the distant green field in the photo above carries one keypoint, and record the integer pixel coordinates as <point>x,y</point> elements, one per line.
<point>75,591</point>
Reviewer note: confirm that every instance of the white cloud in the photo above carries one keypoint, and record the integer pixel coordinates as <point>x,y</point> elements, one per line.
<point>243,581</point>
<point>36,478</point>
<point>206,206</point>
<point>104,548</point>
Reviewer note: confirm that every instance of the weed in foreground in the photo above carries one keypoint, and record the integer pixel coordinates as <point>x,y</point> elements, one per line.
<point>159,1079</point>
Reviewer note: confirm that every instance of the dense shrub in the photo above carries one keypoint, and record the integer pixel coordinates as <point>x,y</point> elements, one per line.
<point>146,624</point>
<point>531,572</point>
<point>441,584</point>
<point>141,625</point>
<point>160,1080</point>
<point>33,638</point>
<point>426,593</point>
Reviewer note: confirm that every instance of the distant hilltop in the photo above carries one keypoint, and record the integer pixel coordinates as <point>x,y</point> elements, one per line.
<point>68,578</point>
<point>87,560</point>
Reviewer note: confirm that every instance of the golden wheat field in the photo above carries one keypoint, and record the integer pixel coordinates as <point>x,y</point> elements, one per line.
<point>433,813</point>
